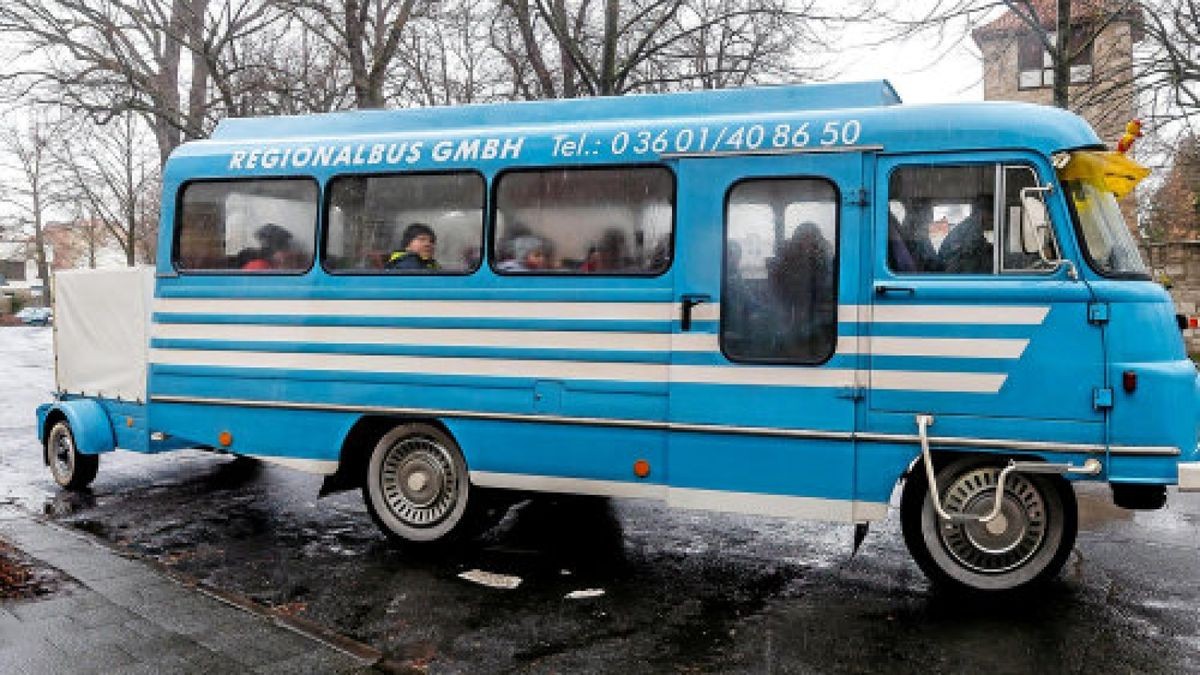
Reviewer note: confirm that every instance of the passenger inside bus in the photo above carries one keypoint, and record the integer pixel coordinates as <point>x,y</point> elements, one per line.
<point>968,248</point>
<point>418,246</point>
<point>275,251</point>
<point>609,254</point>
<point>529,254</point>
<point>800,279</point>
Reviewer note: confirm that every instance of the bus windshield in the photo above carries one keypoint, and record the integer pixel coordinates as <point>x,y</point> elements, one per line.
<point>1110,246</point>
<point>1095,180</point>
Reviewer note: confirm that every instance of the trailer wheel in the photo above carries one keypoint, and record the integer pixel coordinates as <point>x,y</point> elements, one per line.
<point>417,487</point>
<point>1025,545</point>
<point>71,469</point>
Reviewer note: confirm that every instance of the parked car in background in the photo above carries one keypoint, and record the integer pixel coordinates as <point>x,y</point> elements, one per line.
<point>35,316</point>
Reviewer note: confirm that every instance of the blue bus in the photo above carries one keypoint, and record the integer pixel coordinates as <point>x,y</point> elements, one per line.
<point>784,300</point>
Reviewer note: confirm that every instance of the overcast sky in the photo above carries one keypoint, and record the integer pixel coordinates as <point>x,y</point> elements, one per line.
<point>920,74</point>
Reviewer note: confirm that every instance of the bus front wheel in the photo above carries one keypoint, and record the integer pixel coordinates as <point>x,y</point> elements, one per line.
<point>71,469</point>
<point>1026,544</point>
<point>417,486</point>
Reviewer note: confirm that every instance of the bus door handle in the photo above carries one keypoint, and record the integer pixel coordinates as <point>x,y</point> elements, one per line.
<point>686,303</point>
<point>884,289</point>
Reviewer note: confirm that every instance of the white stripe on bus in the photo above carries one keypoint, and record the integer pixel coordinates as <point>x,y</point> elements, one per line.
<point>593,340</point>
<point>816,508</point>
<point>431,309</point>
<point>583,370</point>
<point>601,311</point>
<point>983,315</point>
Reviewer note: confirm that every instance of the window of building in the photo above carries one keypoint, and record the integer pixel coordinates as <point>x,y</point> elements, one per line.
<point>584,221</point>
<point>1036,67</point>
<point>405,223</point>
<point>779,298</point>
<point>942,219</point>
<point>247,226</point>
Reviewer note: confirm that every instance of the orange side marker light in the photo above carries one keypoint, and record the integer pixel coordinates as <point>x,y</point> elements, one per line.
<point>225,439</point>
<point>641,468</point>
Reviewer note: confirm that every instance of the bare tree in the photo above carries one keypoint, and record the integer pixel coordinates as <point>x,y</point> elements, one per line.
<point>106,170</point>
<point>557,48</point>
<point>366,34</point>
<point>1168,69</point>
<point>29,147</point>
<point>447,56</point>
<point>161,58</point>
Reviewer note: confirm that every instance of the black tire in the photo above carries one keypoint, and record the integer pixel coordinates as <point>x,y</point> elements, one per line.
<point>1027,546</point>
<point>70,468</point>
<point>417,488</point>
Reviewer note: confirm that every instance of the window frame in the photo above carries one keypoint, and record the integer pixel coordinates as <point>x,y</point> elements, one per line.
<point>1000,167</point>
<point>327,201</point>
<point>177,228</point>
<point>494,205</point>
<point>1045,70</point>
<point>835,262</point>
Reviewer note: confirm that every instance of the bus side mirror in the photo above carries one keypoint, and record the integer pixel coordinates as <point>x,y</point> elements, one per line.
<point>1036,234</point>
<point>1035,221</point>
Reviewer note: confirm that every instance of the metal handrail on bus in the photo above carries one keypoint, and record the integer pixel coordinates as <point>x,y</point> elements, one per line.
<point>1090,467</point>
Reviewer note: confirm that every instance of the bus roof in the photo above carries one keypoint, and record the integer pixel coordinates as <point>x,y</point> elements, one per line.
<point>864,116</point>
<point>714,103</point>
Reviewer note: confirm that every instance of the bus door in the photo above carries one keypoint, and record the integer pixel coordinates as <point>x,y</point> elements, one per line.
<point>764,357</point>
<point>968,321</point>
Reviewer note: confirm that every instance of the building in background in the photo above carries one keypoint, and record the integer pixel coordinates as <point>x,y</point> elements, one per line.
<point>1017,67</point>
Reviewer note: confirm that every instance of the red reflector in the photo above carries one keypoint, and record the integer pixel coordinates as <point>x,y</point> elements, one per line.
<point>1193,322</point>
<point>1129,381</point>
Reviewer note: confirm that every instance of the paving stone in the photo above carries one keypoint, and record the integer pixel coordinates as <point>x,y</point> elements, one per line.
<point>101,657</point>
<point>7,620</point>
<point>257,644</point>
<point>108,614</point>
<point>146,629</point>
<point>160,646</point>
<point>317,661</point>
<point>63,605</point>
<point>92,569</point>
<point>33,656</point>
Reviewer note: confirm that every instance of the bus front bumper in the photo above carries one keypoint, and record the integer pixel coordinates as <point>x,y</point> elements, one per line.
<point>1189,476</point>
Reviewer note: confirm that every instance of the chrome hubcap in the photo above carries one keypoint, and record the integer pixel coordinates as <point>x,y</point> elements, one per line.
<point>1008,540</point>
<point>62,453</point>
<point>419,481</point>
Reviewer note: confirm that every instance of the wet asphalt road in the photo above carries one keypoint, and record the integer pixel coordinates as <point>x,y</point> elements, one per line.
<point>682,591</point>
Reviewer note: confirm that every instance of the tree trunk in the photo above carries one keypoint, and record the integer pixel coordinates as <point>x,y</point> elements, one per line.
<point>39,241</point>
<point>608,62</point>
<point>1062,55</point>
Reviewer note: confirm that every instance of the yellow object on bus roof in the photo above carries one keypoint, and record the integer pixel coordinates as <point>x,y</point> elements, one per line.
<point>1107,170</point>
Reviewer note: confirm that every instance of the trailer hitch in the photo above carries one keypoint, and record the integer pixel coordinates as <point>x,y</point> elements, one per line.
<point>1090,467</point>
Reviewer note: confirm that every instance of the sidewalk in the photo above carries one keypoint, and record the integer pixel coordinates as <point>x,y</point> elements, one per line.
<point>127,617</point>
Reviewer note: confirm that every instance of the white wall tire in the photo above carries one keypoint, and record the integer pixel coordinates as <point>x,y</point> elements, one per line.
<point>70,468</point>
<point>417,488</point>
<point>1026,545</point>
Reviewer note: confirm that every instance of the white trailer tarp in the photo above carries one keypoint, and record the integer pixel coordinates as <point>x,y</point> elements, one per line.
<point>102,331</point>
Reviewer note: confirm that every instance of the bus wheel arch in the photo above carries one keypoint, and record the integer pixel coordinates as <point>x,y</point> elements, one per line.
<point>1027,545</point>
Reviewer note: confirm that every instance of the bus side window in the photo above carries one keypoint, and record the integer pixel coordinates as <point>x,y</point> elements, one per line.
<point>405,223</point>
<point>1016,257</point>
<point>240,226</point>
<point>779,297</point>
<point>616,221</point>
<point>942,220</point>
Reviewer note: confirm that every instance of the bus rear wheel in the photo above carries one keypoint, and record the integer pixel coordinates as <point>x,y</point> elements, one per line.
<point>417,487</point>
<point>1026,544</point>
<point>71,469</point>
